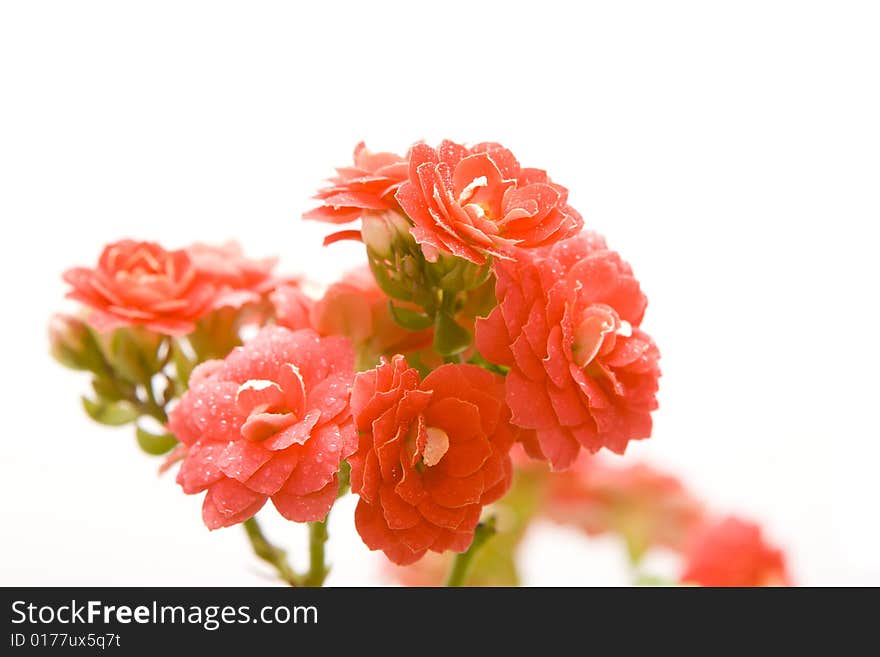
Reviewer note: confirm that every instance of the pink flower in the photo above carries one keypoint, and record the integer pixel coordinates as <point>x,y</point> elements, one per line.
<point>646,507</point>
<point>582,372</point>
<point>432,453</point>
<point>271,420</point>
<point>733,552</point>
<point>354,307</point>
<point>357,308</point>
<point>142,284</point>
<point>478,202</point>
<point>429,571</point>
<point>239,279</point>
<point>369,185</point>
<point>292,306</point>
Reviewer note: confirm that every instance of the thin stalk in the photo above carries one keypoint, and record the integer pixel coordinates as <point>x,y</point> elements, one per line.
<point>269,553</point>
<point>318,569</point>
<point>463,563</point>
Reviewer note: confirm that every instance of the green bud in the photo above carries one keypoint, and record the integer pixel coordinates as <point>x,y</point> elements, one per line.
<point>411,268</point>
<point>216,334</point>
<point>386,281</point>
<point>133,354</point>
<point>378,233</point>
<point>453,274</point>
<point>395,258</point>
<point>72,344</point>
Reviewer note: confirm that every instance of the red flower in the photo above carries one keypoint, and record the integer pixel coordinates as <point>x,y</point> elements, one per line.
<point>142,284</point>
<point>368,185</point>
<point>474,202</point>
<point>271,420</point>
<point>646,507</point>
<point>582,374</point>
<point>733,552</point>
<point>431,454</point>
<point>239,279</point>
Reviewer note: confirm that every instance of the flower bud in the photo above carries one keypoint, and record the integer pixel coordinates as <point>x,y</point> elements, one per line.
<point>217,334</point>
<point>134,353</point>
<point>376,234</point>
<point>72,344</point>
<point>383,232</point>
<point>453,274</point>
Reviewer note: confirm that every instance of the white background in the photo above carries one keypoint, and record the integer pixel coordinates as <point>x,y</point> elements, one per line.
<point>730,151</point>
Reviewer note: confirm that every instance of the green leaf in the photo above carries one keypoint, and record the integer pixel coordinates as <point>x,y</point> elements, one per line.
<point>449,337</point>
<point>409,319</point>
<point>155,443</point>
<point>109,390</point>
<point>112,414</point>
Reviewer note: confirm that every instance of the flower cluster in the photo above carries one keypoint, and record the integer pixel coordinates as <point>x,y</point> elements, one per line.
<point>645,508</point>
<point>484,316</point>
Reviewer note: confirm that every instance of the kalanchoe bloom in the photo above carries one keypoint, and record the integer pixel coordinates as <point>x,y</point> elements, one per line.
<point>645,507</point>
<point>271,420</point>
<point>733,552</point>
<point>239,279</point>
<point>368,185</point>
<point>474,202</point>
<point>356,308</point>
<point>142,284</point>
<point>292,306</point>
<point>582,372</point>
<point>431,454</point>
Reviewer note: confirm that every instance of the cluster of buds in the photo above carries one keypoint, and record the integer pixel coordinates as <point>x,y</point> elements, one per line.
<point>132,379</point>
<point>428,294</point>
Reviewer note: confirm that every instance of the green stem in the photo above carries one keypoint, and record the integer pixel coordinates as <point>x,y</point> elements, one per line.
<point>463,563</point>
<point>269,553</point>
<point>152,407</point>
<point>317,568</point>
